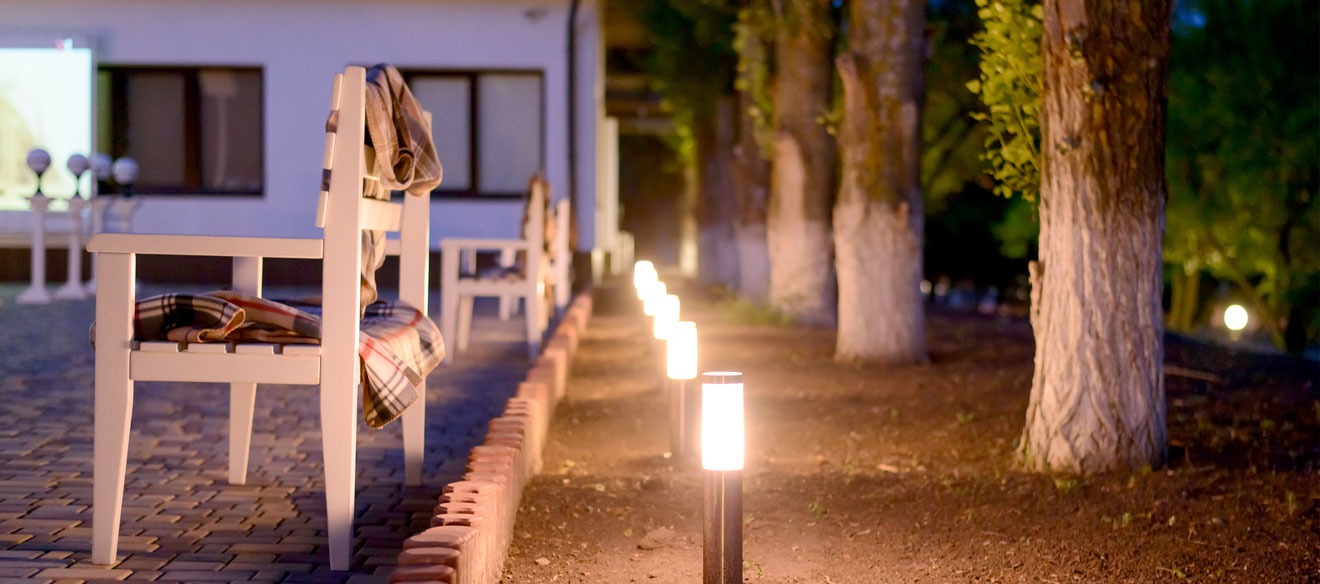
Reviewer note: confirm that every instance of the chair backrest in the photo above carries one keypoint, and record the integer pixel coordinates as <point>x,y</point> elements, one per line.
<point>343,211</point>
<point>340,213</point>
<point>538,191</point>
<point>562,210</point>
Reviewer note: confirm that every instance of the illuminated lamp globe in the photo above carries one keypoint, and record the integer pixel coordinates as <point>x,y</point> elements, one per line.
<point>125,170</point>
<point>78,164</point>
<point>38,160</point>
<point>1235,317</point>
<point>101,165</point>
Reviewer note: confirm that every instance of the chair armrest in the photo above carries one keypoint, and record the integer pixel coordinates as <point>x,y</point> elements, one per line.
<point>483,244</point>
<point>205,245</point>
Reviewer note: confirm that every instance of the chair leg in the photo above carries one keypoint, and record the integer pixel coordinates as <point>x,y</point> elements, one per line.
<point>507,301</point>
<point>112,401</point>
<point>339,445</point>
<point>114,410</point>
<point>534,328</point>
<point>414,438</point>
<point>464,321</point>
<point>242,400</point>
<point>449,302</point>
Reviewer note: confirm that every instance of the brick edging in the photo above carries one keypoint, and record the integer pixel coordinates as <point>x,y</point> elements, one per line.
<point>472,527</point>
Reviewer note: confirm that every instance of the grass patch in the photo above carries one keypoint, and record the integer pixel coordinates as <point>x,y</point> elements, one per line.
<point>741,311</point>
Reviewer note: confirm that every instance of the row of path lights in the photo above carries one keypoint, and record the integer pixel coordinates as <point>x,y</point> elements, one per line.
<point>124,171</point>
<point>722,435</point>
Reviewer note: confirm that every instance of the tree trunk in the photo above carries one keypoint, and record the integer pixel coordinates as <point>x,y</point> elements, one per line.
<point>1185,295</point>
<point>751,188</point>
<point>717,211</point>
<point>1097,399</point>
<point>878,219</point>
<point>801,251</point>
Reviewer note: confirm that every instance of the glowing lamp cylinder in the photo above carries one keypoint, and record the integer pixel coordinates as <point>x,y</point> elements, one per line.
<point>722,440</point>
<point>682,353</point>
<point>722,459</point>
<point>644,275</point>
<point>666,315</point>
<point>681,369</point>
<point>653,295</point>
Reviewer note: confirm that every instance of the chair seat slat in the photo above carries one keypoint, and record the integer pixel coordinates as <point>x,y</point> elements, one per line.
<point>224,368</point>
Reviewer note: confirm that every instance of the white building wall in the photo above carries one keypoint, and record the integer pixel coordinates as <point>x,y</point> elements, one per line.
<point>300,44</point>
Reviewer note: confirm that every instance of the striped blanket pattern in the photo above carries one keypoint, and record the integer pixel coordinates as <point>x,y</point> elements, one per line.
<point>398,346</point>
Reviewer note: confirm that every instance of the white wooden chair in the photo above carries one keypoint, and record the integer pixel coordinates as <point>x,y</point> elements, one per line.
<point>558,256</point>
<point>457,290</point>
<point>561,257</point>
<point>333,365</point>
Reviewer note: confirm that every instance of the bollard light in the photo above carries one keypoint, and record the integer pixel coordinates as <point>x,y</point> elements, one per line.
<point>722,439</point>
<point>722,446</point>
<point>653,295</point>
<point>666,315</point>
<point>682,361</point>
<point>1235,318</point>
<point>644,275</point>
<point>681,369</point>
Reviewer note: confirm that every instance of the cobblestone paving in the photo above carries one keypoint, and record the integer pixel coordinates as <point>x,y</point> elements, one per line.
<point>182,520</point>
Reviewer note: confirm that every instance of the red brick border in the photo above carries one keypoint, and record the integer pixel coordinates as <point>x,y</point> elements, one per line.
<point>473,524</point>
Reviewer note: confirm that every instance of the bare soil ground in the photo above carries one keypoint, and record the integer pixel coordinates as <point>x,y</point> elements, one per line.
<point>870,474</point>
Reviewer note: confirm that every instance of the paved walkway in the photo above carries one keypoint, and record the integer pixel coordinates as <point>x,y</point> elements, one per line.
<point>182,520</point>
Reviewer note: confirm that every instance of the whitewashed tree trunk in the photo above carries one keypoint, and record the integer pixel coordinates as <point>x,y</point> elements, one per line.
<point>753,261</point>
<point>1097,398</point>
<point>802,180</point>
<point>751,186</point>
<point>801,252</point>
<point>878,220</point>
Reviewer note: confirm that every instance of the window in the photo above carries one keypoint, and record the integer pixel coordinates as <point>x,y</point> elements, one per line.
<point>488,128</point>
<point>192,130</point>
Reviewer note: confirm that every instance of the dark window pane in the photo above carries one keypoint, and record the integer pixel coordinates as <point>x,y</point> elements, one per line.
<point>509,138</point>
<point>155,128</point>
<point>447,98</point>
<point>231,135</point>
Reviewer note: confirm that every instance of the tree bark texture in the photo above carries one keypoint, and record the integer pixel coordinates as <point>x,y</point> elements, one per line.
<point>717,209</point>
<point>878,218</point>
<point>798,222</point>
<point>751,188</point>
<point>1097,398</point>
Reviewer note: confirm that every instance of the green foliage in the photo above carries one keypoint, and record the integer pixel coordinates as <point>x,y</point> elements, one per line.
<point>741,311</point>
<point>1019,229</point>
<point>1009,85</point>
<point>951,139</point>
<point>753,35</point>
<point>692,61</point>
<point>1242,152</point>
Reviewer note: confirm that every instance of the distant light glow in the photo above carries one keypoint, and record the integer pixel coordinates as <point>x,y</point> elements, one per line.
<point>722,439</point>
<point>654,293</point>
<point>682,353</point>
<point>644,275</point>
<point>1235,317</point>
<point>666,315</point>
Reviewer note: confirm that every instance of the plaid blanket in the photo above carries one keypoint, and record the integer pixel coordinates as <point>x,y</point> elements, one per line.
<point>399,345</point>
<point>400,148</point>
